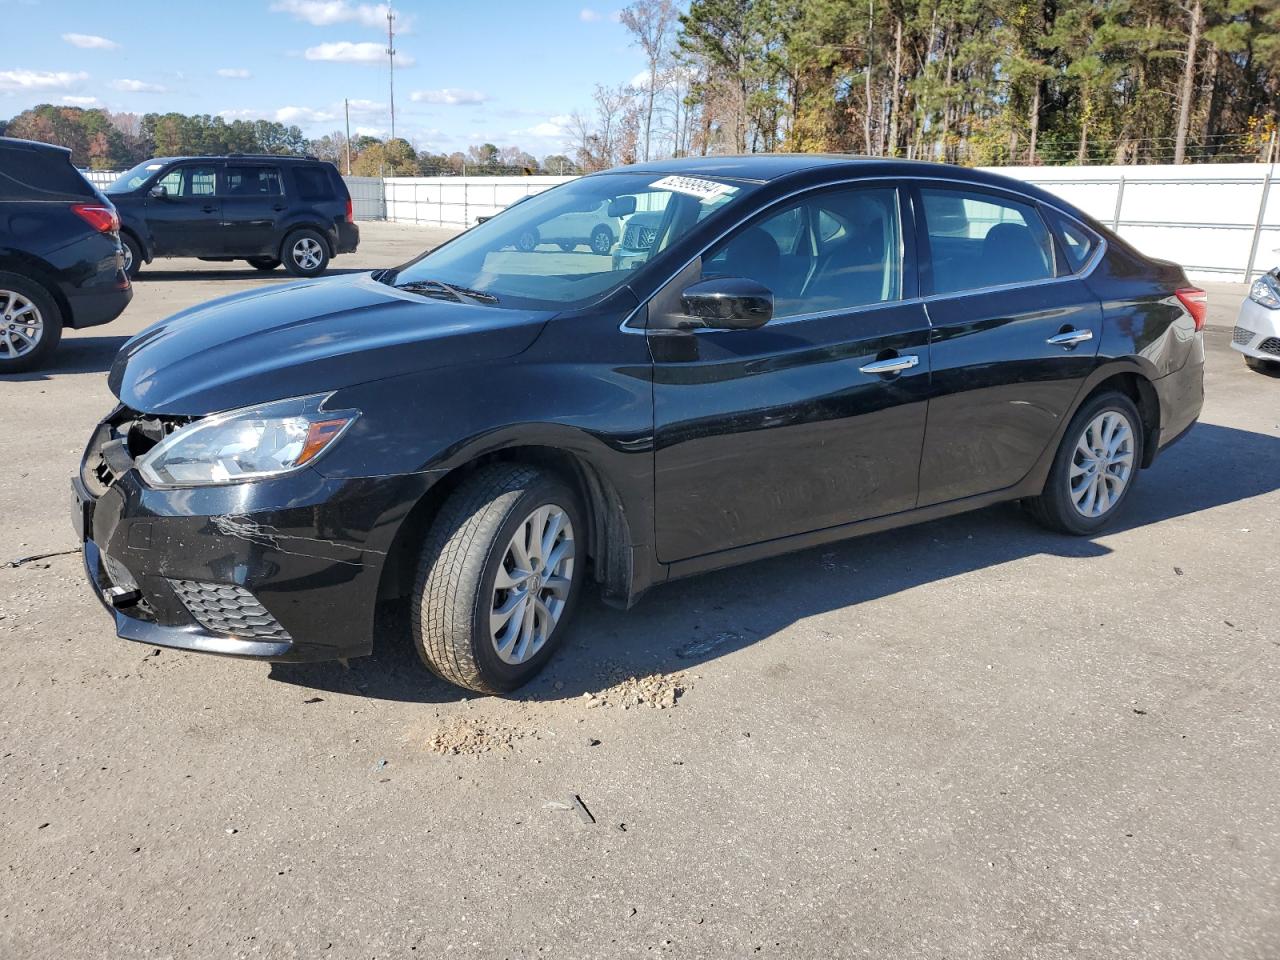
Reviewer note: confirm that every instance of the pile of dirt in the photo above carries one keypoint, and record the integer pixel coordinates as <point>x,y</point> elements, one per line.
<point>475,735</point>
<point>659,691</point>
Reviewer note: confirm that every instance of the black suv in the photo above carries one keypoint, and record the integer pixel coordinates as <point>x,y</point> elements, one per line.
<point>265,209</point>
<point>60,258</point>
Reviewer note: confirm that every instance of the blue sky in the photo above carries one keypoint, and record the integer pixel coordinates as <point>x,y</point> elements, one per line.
<point>502,71</point>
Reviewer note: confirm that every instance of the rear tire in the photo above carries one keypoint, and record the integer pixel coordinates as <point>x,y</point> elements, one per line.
<point>305,253</point>
<point>480,535</point>
<point>1085,491</point>
<point>30,324</point>
<point>132,256</point>
<point>263,263</point>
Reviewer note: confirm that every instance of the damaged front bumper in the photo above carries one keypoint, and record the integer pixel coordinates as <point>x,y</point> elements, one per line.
<point>285,569</point>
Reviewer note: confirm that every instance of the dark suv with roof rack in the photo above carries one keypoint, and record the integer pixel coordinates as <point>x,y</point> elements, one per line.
<point>264,209</point>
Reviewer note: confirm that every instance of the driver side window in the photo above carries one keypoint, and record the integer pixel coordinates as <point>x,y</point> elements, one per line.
<point>829,251</point>
<point>188,182</point>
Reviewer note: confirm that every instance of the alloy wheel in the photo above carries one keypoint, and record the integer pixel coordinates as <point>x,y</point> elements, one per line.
<point>21,326</point>
<point>1102,464</point>
<point>307,253</point>
<point>532,584</point>
<point>128,257</point>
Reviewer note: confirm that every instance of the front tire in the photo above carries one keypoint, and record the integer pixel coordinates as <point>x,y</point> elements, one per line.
<point>601,240</point>
<point>306,253</point>
<point>499,578</point>
<point>30,324</point>
<point>1094,469</point>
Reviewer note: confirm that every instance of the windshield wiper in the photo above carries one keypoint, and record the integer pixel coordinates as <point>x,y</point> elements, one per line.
<point>461,294</point>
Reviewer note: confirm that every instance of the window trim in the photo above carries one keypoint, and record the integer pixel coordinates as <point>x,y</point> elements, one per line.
<point>628,325</point>
<point>1056,221</point>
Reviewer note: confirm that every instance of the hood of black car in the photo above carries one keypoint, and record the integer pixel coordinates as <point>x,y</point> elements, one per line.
<point>304,338</point>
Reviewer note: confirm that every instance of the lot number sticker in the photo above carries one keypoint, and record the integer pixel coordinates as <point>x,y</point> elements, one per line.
<point>704,190</point>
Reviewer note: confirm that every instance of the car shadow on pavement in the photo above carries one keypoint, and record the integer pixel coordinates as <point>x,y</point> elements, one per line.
<point>76,355</point>
<point>681,625</point>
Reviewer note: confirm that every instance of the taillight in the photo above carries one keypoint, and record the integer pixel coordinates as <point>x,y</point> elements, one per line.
<point>1197,303</point>
<point>351,214</point>
<point>103,219</point>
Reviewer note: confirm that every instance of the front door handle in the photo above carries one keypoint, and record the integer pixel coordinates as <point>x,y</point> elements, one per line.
<point>209,209</point>
<point>892,365</point>
<point>1069,338</point>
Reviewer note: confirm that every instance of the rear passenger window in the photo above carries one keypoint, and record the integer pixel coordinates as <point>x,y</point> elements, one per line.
<point>189,182</point>
<point>978,240</point>
<point>251,182</point>
<point>313,183</point>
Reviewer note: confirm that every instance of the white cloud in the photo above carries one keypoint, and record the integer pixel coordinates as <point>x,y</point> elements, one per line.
<point>87,41</point>
<point>80,101</point>
<point>556,127</point>
<point>587,15</point>
<point>378,132</point>
<point>40,80</point>
<point>235,73</point>
<point>450,96</point>
<point>325,13</point>
<point>344,51</point>
<point>640,81</point>
<point>303,115</point>
<point>366,106</point>
<point>137,86</point>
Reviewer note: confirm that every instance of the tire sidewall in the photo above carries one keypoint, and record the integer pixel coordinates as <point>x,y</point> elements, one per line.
<point>497,673</point>
<point>291,265</point>
<point>135,252</point>
<point>1060,478</point>
<point>50,316</point>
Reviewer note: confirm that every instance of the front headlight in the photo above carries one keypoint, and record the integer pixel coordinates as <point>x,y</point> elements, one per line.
<point>247,444</point>
<point>1266,292</point>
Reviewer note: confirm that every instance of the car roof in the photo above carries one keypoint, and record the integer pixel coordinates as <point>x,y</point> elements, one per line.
<point>771,167</point>
<point>13,143</point>
<point>273,157</point>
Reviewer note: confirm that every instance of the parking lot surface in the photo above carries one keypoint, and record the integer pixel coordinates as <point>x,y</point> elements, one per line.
<point>967,739</point>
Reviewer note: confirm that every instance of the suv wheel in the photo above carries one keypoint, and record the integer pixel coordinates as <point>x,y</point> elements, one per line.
<point>132,256</point>
<point>499,577</point>
<point>30,324</point>
<point>263,263</point>
<point>601,240</point>
<point>1094,469</point>
<point>306,253</point>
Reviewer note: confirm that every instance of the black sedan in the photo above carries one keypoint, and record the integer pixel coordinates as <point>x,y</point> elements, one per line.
<point>808,349</point>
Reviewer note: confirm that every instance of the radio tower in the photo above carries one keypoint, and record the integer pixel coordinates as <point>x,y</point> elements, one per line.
<point>391,64</point>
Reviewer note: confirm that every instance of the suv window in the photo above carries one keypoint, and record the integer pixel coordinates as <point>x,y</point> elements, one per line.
<point>833,250</point>
<point>250,182</point>
<point>312,183</point>
<point>34,174</point>
<point>191,181</point>
<point>980,240</point>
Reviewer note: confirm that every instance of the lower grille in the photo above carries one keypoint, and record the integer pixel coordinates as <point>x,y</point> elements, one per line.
<point>229,610</point>
<point>1240,336</point>
<point>1270,345</point>
<point>638,237</point>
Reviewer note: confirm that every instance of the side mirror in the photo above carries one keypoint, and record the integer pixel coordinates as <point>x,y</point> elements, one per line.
<point>159,191</point>
<point>622,206</point>
<point>728,303</point>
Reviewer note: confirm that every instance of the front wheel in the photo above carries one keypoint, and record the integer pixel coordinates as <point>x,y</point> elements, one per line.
<point>601,240</point>
<point>498,578</point>
<point>306,253</point>
<point>30,324</point>
<point>1094,469</point>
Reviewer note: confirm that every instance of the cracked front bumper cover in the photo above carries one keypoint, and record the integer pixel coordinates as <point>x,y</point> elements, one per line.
<point>308,549</point>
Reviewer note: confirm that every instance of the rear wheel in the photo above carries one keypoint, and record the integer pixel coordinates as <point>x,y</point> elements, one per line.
<point>306,253</point>
<point>498,578</point>
<point>1094,469</point>
<point>132,256</point>
<point>601,240</point>
<point>263,263</point>
<point>30,324</point>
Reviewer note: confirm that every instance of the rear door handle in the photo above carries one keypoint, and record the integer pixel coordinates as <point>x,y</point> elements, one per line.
<point>209,209</point>
<point>1069,338</point>
<point>892,365</point>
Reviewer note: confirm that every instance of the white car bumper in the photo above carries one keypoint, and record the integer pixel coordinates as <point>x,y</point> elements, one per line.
<point>1257,332</point>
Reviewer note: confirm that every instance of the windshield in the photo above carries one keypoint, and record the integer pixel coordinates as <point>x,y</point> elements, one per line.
<point>133,179</point>
<point>570,245</point>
